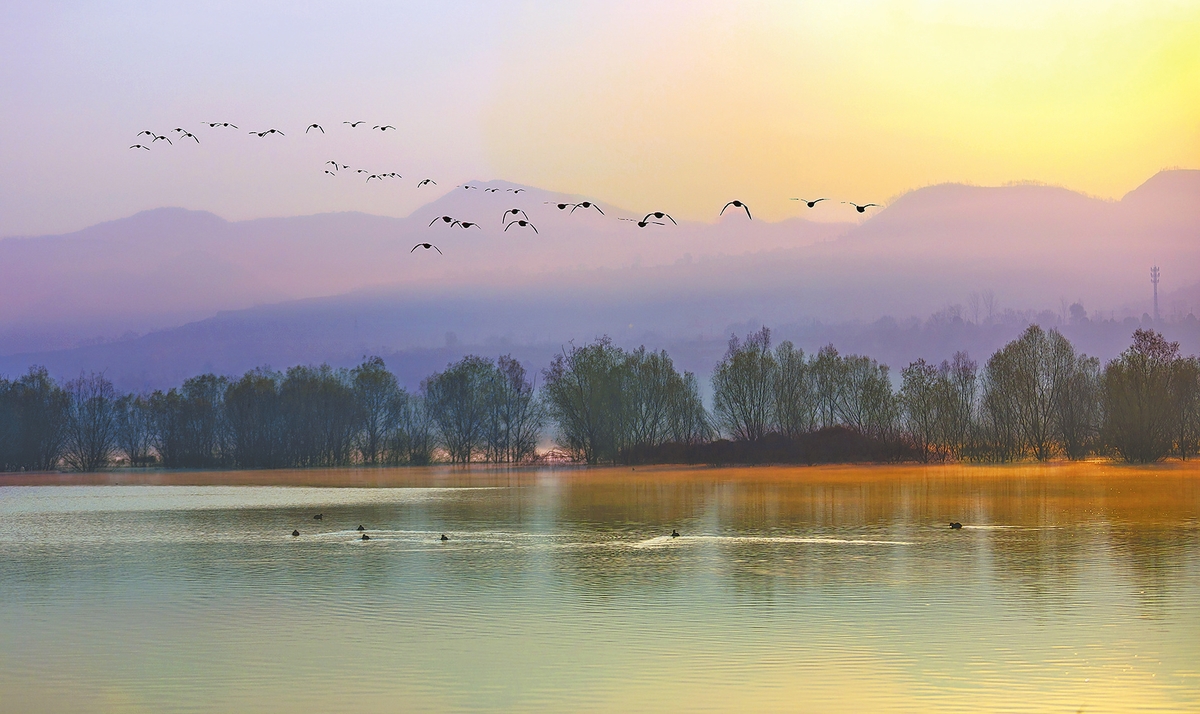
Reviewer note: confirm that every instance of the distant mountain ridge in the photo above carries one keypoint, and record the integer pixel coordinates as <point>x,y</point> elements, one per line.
<point>1031,245</point>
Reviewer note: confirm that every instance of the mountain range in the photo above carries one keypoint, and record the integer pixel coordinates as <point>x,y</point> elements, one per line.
<point>164,293</point>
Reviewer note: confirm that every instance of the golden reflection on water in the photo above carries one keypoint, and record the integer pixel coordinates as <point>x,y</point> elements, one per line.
<point>1071,587</point>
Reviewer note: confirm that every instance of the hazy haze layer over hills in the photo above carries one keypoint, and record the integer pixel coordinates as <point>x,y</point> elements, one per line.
<point>580,276</point>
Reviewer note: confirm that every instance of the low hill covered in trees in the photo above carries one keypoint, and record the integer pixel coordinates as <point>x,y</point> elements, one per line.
<point>1037,398</point>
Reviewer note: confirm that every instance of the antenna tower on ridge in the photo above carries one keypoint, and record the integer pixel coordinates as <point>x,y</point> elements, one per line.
<point>1154,279</point>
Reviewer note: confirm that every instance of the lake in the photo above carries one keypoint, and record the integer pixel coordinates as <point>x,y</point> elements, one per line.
<point>829,589</point>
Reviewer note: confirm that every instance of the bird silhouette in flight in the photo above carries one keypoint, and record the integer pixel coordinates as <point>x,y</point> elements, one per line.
<point>491,190</point>
<point>586,205</point>
<point>373,176</point>
<point>384,128</point>
<point>470,187</point>
<point>644,222</point>
<point>445,219</point>
<point>811,204</point>
<point>353,124</point>
<point>861,209</point>
<point>147,132</point>
<point>427,246</point>
<point>394,175</point>
<point>215,124</point>
<point>658,214</point>
<point>563,206</point>
<point>335,165</point>
<point>512,212</point>
<point>738,204</point>
<point>361,171</point>
<point>164,138</point>
<point>180,130</point>
<point>514,190</point>
<point>330,172</point>
<point>261,134</point>
<point>139,146</point>
<point>425,181</point>
<point>314,126</point>
<point>189,135</point>
<point>522,223</point>
<point>468,224</point>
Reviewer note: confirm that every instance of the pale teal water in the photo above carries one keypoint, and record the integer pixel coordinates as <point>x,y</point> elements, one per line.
<point>561,592</point>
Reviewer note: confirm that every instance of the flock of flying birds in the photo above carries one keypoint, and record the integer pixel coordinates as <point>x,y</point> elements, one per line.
<point>512,217</point>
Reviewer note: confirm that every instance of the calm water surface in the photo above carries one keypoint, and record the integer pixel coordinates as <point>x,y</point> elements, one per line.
<point>1068,589</point>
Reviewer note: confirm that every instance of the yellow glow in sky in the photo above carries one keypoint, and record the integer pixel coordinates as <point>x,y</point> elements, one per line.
<point>688,105</point>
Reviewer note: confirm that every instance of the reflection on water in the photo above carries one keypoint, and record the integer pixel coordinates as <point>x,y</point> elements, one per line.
<point>1072,588</point>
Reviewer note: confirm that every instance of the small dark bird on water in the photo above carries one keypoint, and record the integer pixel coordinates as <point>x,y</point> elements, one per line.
<point>360,527</point>
<point>522,223</point>
<point>861,209</point>
<point>444,537</point>
<point>738,204</point>
<point>427,246</point>
<point>812,203</point>
<point>366,537</point>
<point>319,516</point>
<point>295,533</point>
<point>314,126</point>
<point>674,533</point>
<point>955,525</point>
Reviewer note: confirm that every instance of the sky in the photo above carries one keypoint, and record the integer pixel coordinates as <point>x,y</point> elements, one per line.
<point>679,105</point>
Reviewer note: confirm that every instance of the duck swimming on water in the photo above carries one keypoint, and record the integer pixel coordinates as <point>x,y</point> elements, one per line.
<point>295,533</point>
<point>674,533</point>
<point>366,537</point>
<point>318,517</point>
<point>444,537</point>
<point>360,527</point>
<point>955,525</point>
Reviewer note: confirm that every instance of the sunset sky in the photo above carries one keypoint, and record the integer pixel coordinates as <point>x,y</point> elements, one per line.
<point>682,105</point>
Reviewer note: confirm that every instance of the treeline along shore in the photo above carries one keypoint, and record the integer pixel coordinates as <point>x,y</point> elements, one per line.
<point>1036,398</point>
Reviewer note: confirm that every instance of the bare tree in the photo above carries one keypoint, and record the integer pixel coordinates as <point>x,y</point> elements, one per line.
<point>744,387</point>
<point>456,400</point>
<point>92,425</point>
<point>134,428</point>
<point>515,416</point>
<point>375,391</point>
<point>795,392</point>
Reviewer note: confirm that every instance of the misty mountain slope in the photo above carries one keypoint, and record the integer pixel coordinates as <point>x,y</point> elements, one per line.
<point>1030,245</point>
<point>125,275</point>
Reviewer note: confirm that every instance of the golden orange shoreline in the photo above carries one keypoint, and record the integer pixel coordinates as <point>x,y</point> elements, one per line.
<point>484,474</point>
